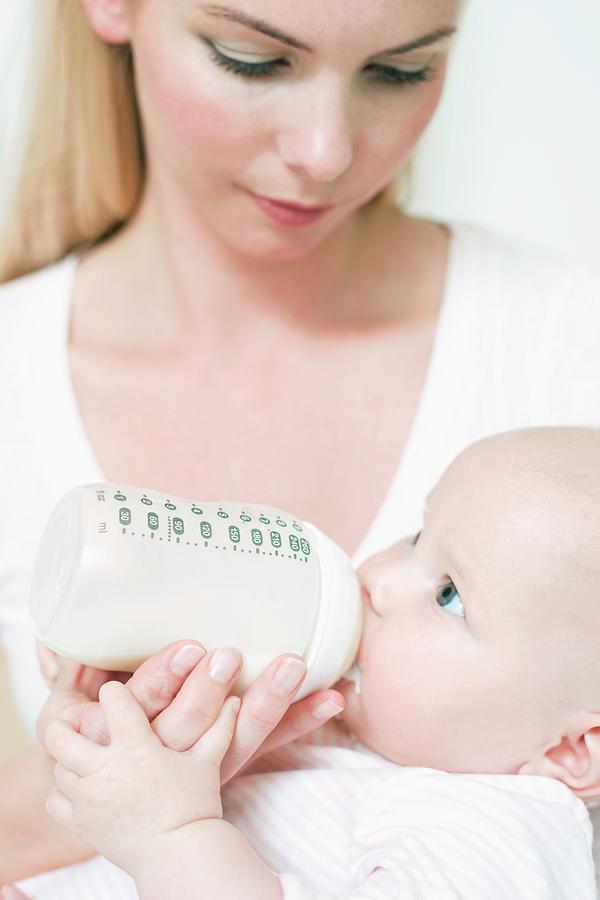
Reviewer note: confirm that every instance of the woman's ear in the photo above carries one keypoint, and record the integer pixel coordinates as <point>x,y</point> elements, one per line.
<point>575,761</point>
<point>109,19</point>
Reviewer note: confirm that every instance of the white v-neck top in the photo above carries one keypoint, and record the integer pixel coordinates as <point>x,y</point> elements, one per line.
<point>516,345</point>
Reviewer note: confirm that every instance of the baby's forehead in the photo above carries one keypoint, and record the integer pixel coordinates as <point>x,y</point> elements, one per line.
<point>559,467</point>
<point>520,487</point>
<point>489,478</point>
<point>522,513</point>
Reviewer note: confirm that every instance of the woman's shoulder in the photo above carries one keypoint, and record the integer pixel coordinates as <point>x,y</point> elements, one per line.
<point>523,291</point>
<point>516,268</point>
<point>536,318</point>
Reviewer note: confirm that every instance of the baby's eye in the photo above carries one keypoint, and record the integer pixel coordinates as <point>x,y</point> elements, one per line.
<point>448,597</point>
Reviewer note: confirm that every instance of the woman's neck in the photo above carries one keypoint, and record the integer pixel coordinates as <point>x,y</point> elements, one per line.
<point>186,270</point>
<point>175,283</point>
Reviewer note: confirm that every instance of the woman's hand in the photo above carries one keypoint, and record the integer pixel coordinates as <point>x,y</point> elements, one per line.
<point>268,718</point>
<point>265,721</point>
<point>128,798</point>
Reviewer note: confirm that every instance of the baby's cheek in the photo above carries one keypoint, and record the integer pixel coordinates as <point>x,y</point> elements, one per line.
<point>389,684</point>
<point>407,688</point>
<point>373,718</point>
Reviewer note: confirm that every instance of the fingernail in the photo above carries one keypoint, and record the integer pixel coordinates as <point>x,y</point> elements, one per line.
<point>186,658</point>
<point>288,675</point>
<point>327,709</point>
<point>224,664</point>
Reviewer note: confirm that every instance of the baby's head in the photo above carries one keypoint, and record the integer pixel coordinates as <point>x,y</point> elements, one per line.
<point>481,645</point>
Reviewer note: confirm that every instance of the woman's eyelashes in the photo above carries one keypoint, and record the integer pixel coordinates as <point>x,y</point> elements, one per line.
<point>384,74</point>
<point>449,599</point>
<point>416,538</point>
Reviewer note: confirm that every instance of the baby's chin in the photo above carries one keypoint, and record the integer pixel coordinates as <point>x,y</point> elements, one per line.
<point>355,721</point>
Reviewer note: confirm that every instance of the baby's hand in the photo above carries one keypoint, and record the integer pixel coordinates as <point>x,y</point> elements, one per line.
<point>126,797</point>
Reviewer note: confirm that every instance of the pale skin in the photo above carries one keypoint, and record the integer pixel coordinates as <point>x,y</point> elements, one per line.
<point>491,615</point>
<point>271,330</point>
<point>517,516</point>
<point>347,308</point>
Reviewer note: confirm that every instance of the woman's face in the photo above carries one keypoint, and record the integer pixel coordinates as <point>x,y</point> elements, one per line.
<point>330,124</point>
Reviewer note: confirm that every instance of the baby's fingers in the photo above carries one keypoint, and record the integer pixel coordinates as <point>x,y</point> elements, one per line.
<point>71,749</point>
<point>126,721</point>
<point>214,743</point>
<point>154,685</point>
<point>67,781</point>
<point>60,808</point>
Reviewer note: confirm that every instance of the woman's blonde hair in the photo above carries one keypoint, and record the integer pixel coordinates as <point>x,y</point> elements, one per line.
<point>82,167</point>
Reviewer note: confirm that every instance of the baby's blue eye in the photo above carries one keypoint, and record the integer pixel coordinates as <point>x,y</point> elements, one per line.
<point>448,597</point>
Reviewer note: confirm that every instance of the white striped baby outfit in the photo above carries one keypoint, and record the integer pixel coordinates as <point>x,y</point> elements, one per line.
<point>334,820</point>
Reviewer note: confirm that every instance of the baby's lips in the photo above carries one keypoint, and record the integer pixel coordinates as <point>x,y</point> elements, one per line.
<point>366,595</point>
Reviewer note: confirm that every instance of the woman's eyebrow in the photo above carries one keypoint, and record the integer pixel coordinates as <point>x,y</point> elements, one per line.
<point>236,15</point>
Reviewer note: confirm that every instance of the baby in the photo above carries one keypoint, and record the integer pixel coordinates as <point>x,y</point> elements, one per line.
<point>457,766</point>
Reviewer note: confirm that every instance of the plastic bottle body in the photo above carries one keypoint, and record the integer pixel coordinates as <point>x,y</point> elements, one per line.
<point>121,572</point>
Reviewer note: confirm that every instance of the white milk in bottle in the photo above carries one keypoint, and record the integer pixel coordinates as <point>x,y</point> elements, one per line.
<point>121,572</point>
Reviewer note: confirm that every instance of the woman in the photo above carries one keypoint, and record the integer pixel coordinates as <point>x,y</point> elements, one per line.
<point>329,363</point>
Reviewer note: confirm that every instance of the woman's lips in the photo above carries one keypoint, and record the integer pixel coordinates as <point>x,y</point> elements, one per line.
<point>293,216</point>
<point>302,207</point>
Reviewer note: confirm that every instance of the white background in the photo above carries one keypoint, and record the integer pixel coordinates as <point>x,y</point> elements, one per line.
<point>515,144</point>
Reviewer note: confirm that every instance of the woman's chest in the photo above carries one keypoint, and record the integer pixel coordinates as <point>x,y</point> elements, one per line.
<point>319,436</point>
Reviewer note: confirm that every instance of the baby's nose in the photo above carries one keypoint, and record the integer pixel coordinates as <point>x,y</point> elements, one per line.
<point>393,587</point>
<point>384,592</point>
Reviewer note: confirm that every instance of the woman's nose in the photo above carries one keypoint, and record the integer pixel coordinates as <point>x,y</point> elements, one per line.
<point>319,135</point>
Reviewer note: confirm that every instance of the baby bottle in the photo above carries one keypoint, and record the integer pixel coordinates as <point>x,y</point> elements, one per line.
<point>121,572</point>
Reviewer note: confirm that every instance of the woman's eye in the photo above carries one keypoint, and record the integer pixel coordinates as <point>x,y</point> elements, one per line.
<point>448,597</point>
<point>385,74</point>
<point>245,69</point>
<point>390,75</point>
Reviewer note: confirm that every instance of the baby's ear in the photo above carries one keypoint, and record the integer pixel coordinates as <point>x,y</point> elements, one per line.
<point>575,761</point>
